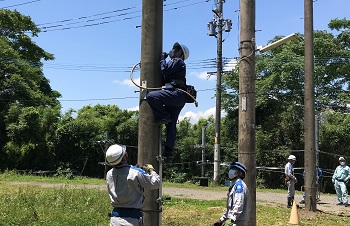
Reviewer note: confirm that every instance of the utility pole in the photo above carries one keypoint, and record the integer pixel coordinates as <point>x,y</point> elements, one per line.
<point>246,110</point>
<point>218,22</point>
<point>150,76</point>
<point>309,111</point>
<point>203,151</point>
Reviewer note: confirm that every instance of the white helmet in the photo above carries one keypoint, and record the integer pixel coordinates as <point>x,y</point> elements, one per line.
<point>115,154</point>
<point>341,159</point>
<point>292,157</point>
<point>184,49</point>
<point>240,166</point>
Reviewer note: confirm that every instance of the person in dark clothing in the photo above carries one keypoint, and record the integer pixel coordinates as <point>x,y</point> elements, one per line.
<point>168,102</point>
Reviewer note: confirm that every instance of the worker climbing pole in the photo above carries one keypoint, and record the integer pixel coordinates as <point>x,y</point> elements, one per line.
<point>167,101</point>
<point>149,134</point>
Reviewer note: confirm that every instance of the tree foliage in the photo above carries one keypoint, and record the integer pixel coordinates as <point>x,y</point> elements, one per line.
<point>26,98</point>
<point>35,135</point>
<point>280,93</point>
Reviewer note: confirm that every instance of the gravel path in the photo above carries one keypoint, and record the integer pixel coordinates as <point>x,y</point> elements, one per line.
<point>326,205</point>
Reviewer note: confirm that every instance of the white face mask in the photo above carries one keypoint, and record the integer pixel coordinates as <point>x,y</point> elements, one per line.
<point>232,174</point>
<point>342,163</point>
<point>171,53</point>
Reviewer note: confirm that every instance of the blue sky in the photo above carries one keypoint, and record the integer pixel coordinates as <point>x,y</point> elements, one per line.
<point>96,42</point>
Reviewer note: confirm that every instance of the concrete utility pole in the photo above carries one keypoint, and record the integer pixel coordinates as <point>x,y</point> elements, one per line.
<point>246,115</point>
<point>203,152</point>
<point>150,76</point>
<point>221,24</point>
<point>309,112</point>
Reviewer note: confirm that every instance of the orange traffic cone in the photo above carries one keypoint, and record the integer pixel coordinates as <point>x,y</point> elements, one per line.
<point>294,217</point>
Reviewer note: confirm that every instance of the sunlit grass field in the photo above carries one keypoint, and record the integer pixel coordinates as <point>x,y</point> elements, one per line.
<point>32,205</point>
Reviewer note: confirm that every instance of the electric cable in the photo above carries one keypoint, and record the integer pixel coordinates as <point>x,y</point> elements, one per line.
<point>62,23</point>
<point>24,3</point>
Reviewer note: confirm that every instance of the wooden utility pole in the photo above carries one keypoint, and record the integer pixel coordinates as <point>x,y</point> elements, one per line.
<point>309,112</point>
<point>150,76</point>
<point>246,123</point>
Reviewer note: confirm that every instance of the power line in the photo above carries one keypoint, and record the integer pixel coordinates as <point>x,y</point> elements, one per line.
<point>105,20</point>
<point>198,64</point>
<point>194,65</point>
<point>85,17</point>
<point>24,3</point>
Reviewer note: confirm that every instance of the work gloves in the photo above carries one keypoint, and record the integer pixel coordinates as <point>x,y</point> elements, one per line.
<point>163,56</point>
<point>148,168</point>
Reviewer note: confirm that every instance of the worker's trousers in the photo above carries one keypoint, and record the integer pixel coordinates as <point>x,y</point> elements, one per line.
<point>342,192</point>
<point>291,189</point>
<point>167,104</point>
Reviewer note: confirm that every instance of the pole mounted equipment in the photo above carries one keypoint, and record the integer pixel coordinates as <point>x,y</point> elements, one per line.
<point>216,27</point>
<point>273,45</point>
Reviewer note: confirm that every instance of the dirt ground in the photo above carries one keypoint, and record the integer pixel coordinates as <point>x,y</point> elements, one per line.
<point>327,203</point>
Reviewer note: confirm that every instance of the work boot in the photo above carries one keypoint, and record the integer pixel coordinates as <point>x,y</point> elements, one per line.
<point>339,203</point>
<point>290,202</point>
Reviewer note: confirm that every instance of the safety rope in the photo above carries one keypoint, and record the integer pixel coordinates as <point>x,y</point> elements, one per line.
<point>157,88</point>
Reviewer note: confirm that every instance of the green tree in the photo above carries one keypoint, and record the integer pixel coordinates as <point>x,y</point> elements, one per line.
<point>76,143</point>
<point>280,91</point>
<point>24,91</point>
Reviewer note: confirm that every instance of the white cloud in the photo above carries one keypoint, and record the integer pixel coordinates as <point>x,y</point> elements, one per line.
<point>195,116</point>
<point>136,108</point>
<point>212,75</point>
<point>203,75</point>
<point>230,65</point>
<point>128,82</point>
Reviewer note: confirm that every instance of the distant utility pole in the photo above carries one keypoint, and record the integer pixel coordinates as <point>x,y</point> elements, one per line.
<point>150,76</point>
<point>246,110</point>
<point>220,23</point>
<point>309,112</point>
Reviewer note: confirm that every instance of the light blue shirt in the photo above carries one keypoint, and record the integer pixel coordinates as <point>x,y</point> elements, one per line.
<point>341,173</point>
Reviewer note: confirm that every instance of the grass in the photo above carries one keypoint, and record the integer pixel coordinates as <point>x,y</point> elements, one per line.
<point>61,178</point>
<point>28,205</point>
<point>34,206</point>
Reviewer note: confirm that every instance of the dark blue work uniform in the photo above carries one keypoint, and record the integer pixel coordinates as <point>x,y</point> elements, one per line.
<point>168,103</point>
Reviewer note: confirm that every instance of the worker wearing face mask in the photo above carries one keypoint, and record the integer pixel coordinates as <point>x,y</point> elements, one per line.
<point>340,178</point>
<point>237,205</point>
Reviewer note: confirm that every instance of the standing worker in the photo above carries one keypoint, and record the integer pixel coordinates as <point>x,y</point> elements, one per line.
<point>126,185</point>
<point>290,180</point>
<point>340,178</point>
<point>238,198</point>
<point>168,102</point>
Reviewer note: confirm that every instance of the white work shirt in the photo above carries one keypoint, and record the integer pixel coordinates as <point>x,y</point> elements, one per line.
<point>126,185</point>
<point>289,171</point>
<point>237,205</point>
